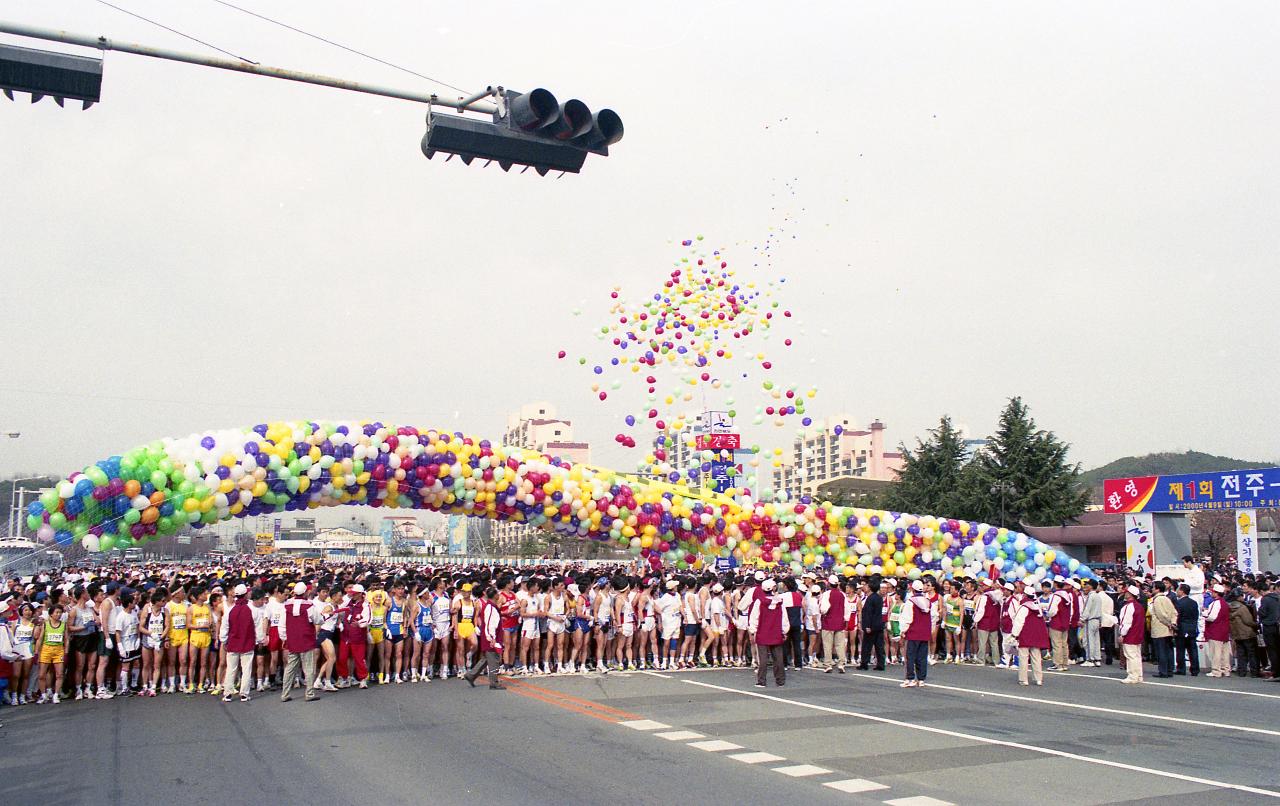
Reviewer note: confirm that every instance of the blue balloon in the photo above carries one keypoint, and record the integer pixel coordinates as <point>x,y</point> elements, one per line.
<point>991,552</point>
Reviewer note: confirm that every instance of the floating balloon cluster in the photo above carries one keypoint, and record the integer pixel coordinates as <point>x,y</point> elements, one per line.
<point>202,479</point>
<point>684,338</point>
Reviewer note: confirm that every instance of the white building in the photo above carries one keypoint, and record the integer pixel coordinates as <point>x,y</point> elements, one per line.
<point>537,426</point>
<point>820,455</point>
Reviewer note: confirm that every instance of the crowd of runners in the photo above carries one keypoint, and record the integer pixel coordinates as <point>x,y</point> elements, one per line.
<point>239,627</point>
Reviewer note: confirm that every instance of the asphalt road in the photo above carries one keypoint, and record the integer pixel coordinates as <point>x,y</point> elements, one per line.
<point>973,736</point>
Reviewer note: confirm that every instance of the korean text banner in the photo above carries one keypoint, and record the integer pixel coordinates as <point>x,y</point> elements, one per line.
<point>1225,489</point>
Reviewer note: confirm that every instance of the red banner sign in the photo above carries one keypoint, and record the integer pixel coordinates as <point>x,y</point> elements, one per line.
<point>719,442</point>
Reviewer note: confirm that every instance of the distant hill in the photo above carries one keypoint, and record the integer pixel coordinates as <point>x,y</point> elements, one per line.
<point>1162,464</point>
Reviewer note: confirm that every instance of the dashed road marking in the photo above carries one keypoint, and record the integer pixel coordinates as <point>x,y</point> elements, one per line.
<point>802,770</point>
<point>715,745</point>
<point>918,800</point>
<point>643,724</point>
<point>852,785</point>
<point>1048,751</point>
<point>756,758</point>
<point>680,735</point>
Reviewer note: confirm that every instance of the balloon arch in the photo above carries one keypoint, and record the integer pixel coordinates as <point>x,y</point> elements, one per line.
<point>201,479</point>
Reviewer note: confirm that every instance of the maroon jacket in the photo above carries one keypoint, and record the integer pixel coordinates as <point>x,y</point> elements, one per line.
<point>241,635</point>
<point>300,633</point>
<point>921,626</point>
<point>1034,633</point>
<point>834,619</point>
<point>769,622</point>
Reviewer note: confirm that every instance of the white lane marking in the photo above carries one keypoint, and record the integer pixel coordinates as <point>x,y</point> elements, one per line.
<point>1200,723</point>
<point>918,800</point>
<point>853,785</point>
<point>1048,751</point>
<point>657,674</point>
<point>643,724</point>
<point>1169,685</point>
<point>802,770</point>
<point>756,758</point>
<point>715,745</point>
<point>680,735</point>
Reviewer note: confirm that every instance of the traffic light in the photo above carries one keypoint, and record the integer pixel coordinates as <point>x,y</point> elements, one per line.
<point>43,72</point>
<point>531,129</point>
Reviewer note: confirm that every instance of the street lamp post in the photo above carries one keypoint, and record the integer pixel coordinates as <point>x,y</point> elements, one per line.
<point>1003,488</point>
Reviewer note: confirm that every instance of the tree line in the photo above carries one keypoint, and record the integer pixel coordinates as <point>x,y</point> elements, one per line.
<point>1020,476</point>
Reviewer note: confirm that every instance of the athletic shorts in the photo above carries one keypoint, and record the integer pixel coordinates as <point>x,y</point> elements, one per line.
<point>200,640</point>
<point>395,639</point>
<point>178,637</point>
<point>426,632</point>
<point>125,656</point>
<point>444,629</point>
<point>584,624</point>
<point>151,642</point>
<point>102,650</point>
<point>326,635</point>
<point>628,629</point>
<point>273,640</point>
<point>647,624</point>
<point>529,628</point>
<point>740,622</point>
<point>690,630</point>
<point>670,632</point>
<point>52,654</point>
<point>603,626</point>
<point>570,624</point>
<point>555,627</point>
<point>261,652</point>
<point>375,635</point>
<point>84,644</point>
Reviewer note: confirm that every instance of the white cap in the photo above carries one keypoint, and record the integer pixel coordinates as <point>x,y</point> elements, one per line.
<point>357,588</point>
<point>1075,583</point>
<point>917,586</point>
<point>987,581</point>
<point>672,584</point>
<point>759,576</point>
<point>1219,589</point>
<point>1028,580</point>
<point>815,589</point>
<point>573,588</point>
<point>718,588</point>
<point>768,584</point>
<point>240,590</point>
<point>299,589</point>
<point>1135,590</point>
<point>1009,586</point>
<point>833,580</point>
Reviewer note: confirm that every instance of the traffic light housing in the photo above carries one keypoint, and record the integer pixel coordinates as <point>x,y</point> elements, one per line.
<point>531,129</point>
<point>43,72</point>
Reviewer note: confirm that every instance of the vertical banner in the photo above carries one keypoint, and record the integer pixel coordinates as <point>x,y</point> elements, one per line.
<point>1247,540</point>
<point>1139,542</point>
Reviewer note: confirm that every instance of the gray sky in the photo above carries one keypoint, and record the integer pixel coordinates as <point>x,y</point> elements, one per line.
<point>1072,202</point>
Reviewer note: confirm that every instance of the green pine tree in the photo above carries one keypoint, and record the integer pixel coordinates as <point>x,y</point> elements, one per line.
<point>930,479</point>
<point>1023,476</point>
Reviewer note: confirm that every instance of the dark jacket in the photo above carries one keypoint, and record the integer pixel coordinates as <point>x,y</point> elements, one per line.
<point>1188,616</point>
<point>1269,610</point>
<point>872,612</point>
<point>1243,625</point>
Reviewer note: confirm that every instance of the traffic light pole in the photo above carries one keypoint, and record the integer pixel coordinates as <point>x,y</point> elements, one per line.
<point>472,103</point>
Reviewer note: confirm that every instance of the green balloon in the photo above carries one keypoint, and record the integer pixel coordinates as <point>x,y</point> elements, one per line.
<point>58,521</point>
<point>132,516</point>
<point>49,499</point>
<point>159,480</point>
<point>34,522</point>
<point>107,543</point>
<point>96,475</point>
